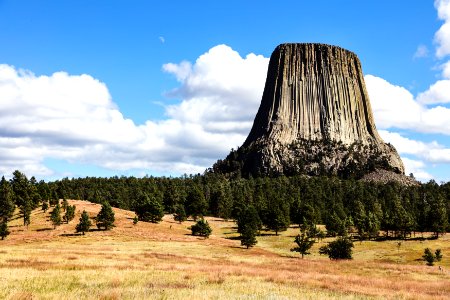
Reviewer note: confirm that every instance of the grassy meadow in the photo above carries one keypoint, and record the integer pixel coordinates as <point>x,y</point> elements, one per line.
<point>163,261</point>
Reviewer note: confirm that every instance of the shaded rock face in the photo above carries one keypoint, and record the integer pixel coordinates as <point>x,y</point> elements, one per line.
<point>315,118</point>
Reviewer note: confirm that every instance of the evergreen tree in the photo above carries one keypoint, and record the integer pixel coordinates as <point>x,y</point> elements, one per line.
<point>438,215</point>
<point>312,231</point>
<point>7,205</point>
<point>25,211</point>
<point>248,226</point>
<point>201,228</point>
<point>70,213</point>
<point>180,214</point>
<point>65,204</point>
<point>304,243</point>
<point>248,217</point>
<point>172,197</point>
<point>105,218</point>
<point>149,209</point>
<point>22,195</point>
<point>135,220</point>
<point>335,225</point>
<point>372,225</point>
<point>196,204</point>
<point>54,199</point>
<point>438,254</point>
<point>248,237</point>
<point>341,248</point>
<point>85,223</point>
<point>277,220</point>
<point>359,219</point>
<point>429,257</point>
<point>55,216</point>
<point>45,206</point>
<point>4,232</point>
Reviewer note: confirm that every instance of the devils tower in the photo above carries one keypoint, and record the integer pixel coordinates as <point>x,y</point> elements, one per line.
<point>315,118</point>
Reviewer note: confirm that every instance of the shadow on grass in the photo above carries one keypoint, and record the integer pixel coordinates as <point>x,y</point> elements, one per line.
<point>268,234</point>
<point>390,238</point>
<point>234,238</point>
<point>44,229</point>
<point>96,229</point>
<point>71,234</point>
<point>230,227</point>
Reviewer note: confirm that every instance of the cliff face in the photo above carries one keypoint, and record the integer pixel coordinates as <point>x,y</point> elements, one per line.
<point>315,118</point>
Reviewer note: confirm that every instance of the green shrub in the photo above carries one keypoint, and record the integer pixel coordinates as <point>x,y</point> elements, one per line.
<point>201,228</point>
<point>341,248</point>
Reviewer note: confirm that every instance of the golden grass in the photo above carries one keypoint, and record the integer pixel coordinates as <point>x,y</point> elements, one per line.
<point>162,261</point>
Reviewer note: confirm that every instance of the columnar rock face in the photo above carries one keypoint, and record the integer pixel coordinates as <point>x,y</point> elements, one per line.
<point>315,118</point>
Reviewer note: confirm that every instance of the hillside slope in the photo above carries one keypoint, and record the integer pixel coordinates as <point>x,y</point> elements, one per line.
<point>151,261</point>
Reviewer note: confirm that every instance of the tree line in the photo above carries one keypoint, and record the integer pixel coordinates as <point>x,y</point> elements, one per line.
<point>362,209</point>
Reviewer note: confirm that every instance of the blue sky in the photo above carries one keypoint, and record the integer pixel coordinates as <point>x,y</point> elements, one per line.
<point>102,88</point>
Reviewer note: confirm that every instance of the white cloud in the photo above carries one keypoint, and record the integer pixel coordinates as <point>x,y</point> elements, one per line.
<point>395,107</point>
<point>446,70</point>
<point>430,152</point>
<point>438,92</point>
<point>221,91</point>
<point>73,118</point>
<point>442,36</point>
<point>417,168</point>
<point>422,51</point>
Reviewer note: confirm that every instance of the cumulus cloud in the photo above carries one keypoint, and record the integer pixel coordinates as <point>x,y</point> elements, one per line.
<point>442,36</point>
<point>438,92</point>
<point>388,100</point>
<point>430,152</point>
<point>221,91</point>
<point>425,153</point>
<point>73,118</point>
<point>416,167</point>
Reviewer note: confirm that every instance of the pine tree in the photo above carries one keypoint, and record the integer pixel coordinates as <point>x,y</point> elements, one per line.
<point>70,213</point>
<point>149,209</point>
<point>180,214</point>
<point>6,200</point>
<point>135,220</point>
<point>55,216</point>
<point>85,223</point>
<point>25,211</point>
<point>196,203</point>
<point>248,226</point>
<point>4,232</point>
<point>22,195</point>
<point>201,228</point>
<point>45,206</point>
<point>277,220</point>
<point>341,248</point>
<point>304,243</point>
<point>65,204</point>
<point>429,257</point>
<point>248,217</point>
<point>105,218</point>
<point>438,215</point>
<point>438,254</point>
<point>248,237</point>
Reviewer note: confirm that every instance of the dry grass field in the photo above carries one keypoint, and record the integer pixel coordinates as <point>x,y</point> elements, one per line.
<point>162,261</point>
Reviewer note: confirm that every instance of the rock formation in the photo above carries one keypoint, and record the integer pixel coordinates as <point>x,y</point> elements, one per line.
<point>315,118</point>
